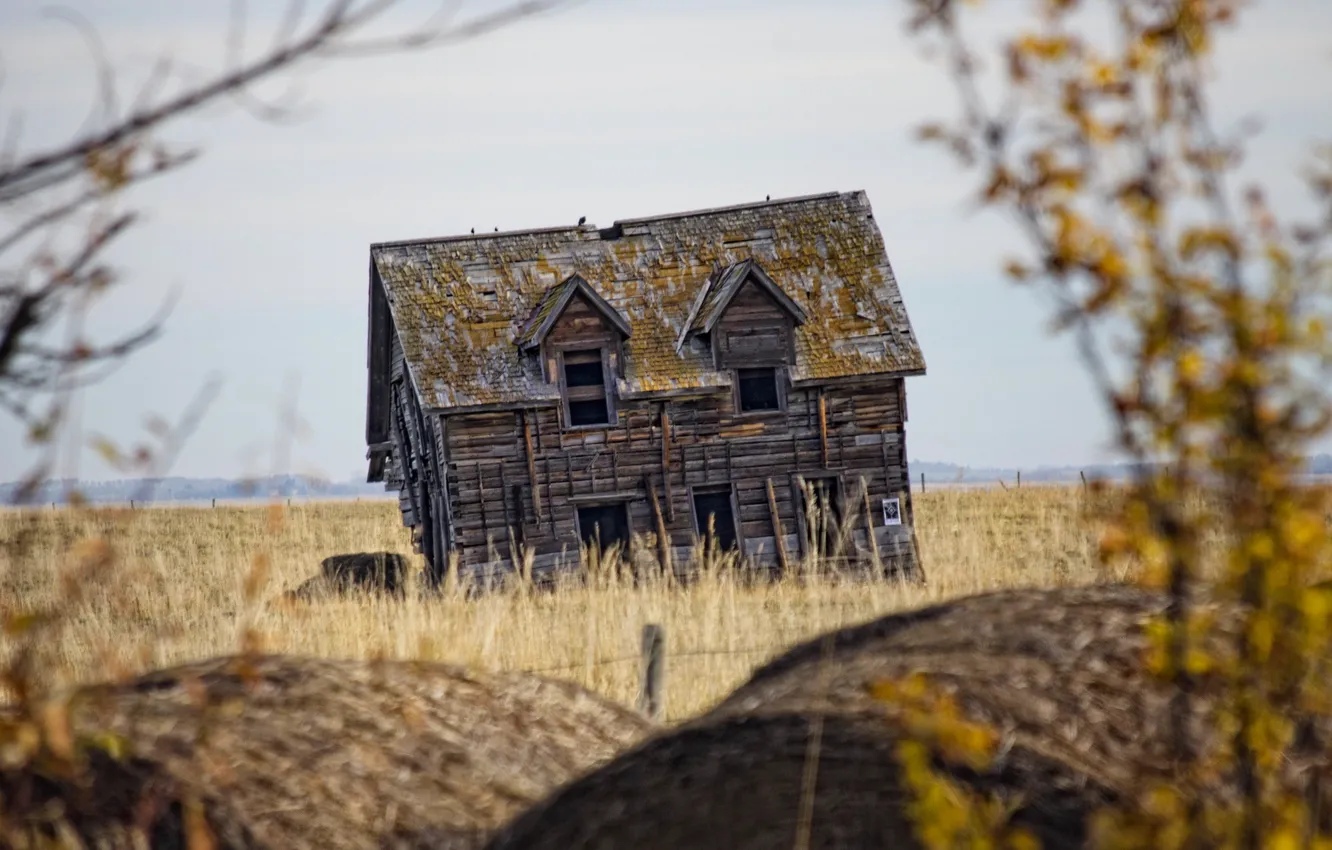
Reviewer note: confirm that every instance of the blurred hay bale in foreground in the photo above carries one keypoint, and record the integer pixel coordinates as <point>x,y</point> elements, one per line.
<point>1057,672</point>
<point>289,752</point>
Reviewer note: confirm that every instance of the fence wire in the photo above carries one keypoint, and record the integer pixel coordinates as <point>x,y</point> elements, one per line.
<point>637,657</point>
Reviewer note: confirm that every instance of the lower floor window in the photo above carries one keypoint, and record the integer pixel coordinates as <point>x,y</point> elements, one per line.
<point>823,513</point>
<point>714,517</point>
<point>604,526</point>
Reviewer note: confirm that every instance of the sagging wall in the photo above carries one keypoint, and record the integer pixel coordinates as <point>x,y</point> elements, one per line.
<point>414,466</point>
<point>517,473</point>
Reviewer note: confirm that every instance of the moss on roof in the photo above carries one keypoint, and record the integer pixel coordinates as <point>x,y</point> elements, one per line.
<point>459,304</point>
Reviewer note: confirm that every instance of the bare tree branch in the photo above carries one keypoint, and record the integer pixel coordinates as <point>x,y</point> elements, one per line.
<point>61,203</point>
<point>340,20</point>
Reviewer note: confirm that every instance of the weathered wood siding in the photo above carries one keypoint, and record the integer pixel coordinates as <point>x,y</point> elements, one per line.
<point>491,489</point>
<point>415,466</point>
<point>754,332</point>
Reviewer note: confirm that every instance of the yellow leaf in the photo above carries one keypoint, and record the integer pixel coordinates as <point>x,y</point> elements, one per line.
<point>1017,271</point>
<point>1196,240</point>
<point>1049,48</point>
<point>1317,330</point>
<point>107,450</point>
<point>1102,73</point>
<point>111,744</point>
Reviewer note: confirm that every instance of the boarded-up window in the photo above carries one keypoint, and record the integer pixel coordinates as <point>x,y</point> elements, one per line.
<point>757,346</point>
<point>586,398</point>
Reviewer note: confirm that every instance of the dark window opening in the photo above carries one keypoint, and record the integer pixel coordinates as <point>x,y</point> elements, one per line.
<point>587,374</point>
<point>604,526</point>
<point>585,391</point>
<point>592,412</point>
<point>715,508</point>
<point>823,513</point>
<point>758,390</point>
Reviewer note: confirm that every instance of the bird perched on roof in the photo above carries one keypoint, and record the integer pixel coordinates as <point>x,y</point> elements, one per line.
<point>582,219</point>
<point>473,231</point>
<point>497,230</point>
<point>767,197</point>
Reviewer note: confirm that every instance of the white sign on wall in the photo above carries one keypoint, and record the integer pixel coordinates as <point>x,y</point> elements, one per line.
<point>892,512</point>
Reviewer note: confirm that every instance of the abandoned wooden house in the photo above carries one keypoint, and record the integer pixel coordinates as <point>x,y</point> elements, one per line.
<point>741,369</point>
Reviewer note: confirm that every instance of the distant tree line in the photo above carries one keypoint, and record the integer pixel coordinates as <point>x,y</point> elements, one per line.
<point>1319,464</point>
<point>179,489</point>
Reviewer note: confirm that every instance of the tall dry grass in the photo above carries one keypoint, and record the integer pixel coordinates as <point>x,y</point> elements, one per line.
<point>176,591</point>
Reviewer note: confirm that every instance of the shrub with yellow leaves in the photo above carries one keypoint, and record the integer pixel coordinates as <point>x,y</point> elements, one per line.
<point>942,811</point>
<point>1106,156</point>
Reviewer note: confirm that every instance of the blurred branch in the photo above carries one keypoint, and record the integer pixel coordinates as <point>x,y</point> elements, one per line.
<point>1108,159</point>
<point>61,203</point>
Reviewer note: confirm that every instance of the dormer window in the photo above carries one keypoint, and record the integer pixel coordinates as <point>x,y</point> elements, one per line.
<point>749,324</point>
<point>579,338</point>
<point>585,390</point>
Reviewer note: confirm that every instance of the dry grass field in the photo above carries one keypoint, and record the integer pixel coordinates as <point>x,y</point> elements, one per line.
<point>189,583</point>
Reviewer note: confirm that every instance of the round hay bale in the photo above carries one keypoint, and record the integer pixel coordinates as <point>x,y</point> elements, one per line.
<point>386,571</point>
<point>367,572</point>
<point>289,752</point>
<point>1057,672</point>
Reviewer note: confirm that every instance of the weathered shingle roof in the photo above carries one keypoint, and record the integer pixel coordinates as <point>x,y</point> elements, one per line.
<point>462,304</point>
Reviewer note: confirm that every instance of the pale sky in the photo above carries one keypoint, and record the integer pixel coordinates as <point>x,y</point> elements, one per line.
<point>607,109</point>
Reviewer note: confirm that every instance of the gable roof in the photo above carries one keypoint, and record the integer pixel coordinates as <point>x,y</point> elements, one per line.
<point>722,288</point>
<point>462,306</point>
<point>553,303</point>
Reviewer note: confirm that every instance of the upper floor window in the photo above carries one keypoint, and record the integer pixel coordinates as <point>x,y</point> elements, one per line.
<point>586,390</point>
<point>758,390</point>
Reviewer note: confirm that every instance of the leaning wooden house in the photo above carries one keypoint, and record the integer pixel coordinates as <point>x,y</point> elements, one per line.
<point>735,368</point>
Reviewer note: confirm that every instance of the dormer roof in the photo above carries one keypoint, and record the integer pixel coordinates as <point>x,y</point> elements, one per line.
<point>721,288</point>
<point>553,303</point>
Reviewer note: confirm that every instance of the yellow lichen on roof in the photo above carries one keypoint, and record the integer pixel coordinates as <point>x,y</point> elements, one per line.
<point>459,304</point>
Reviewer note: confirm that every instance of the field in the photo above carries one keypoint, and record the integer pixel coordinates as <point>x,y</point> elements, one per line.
<point>187,583</point>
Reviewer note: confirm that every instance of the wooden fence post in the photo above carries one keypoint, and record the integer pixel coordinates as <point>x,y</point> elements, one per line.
<point>1083,476</point>
<point>922,482</point>
<point>651,695</point>
<point>214,502</point>
<point>1019,480</point>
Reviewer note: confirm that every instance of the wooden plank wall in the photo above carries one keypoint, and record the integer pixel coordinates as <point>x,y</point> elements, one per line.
<point>487,456</point>
<point>415,468</point>
<point>379,344</point>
